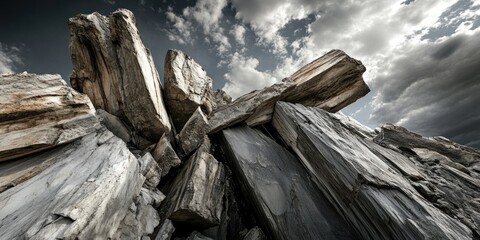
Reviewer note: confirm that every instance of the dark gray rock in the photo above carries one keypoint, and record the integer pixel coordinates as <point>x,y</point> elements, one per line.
<point>255,234</point>
<point>114,124</point>
<point>166,231</point>
<point>192,134</point>
<point>286,201</point>
<point>165,155</point>
<point>353,172</point>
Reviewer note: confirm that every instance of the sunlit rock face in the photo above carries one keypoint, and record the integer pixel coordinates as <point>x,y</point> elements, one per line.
<point>113,67</point>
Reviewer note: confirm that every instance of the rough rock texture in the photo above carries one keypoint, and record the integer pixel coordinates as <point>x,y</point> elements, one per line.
<point>165,156</point>
<point>197,236</point>
<point>38,112</point>
<point>287,202</point>
<point>84,193</point>
<point>331,82</point>
<point>192,134</point>
<point>371,186</point>
<point>187,87</point>
<point>196,195</point>
<point>166,230</point>
<point>221,98</point>
<point>114,124</point>
<point>113,67</point>
<point>451,172</point>
<point>255,234</point>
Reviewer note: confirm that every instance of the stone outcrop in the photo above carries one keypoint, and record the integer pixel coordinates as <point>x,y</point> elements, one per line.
<point>331,82</point>
<point>192,134</point>
<point>196,195</point>
<point>187,87</point>
<point>84,192</point>
<point>364,181</point>
<point>113,67</point>
<point>38,112</point>
<point>279,189</point>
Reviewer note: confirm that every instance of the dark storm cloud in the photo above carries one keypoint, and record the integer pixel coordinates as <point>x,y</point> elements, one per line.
<point>433,89</point>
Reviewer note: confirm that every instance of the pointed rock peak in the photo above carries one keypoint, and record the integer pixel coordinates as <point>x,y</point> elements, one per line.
<point>187,86</point>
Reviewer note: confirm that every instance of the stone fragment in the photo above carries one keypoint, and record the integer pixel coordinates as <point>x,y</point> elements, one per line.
<point>255,234</point>
<point>166,231</point>
<point>331,82</point>
<point>38,112</point>
<point>187,87</point>
<point>84,193</point>
<point>280,190</point>
<point>196,195</point>
<point>113,67</point>
<point>165,156</point>
<point>192,134</point>
<point>221,98</point>
<point>114,124</point>
<point>367,189</point>
<point>150,170</point>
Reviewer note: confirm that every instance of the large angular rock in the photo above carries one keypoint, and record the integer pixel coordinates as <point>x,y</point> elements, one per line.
<point>287,203</point>
<point>373,187</point>
<point>196,195</point>
<point>187,87</point>
<point>331,82</point>
<point>192,134</point>
<point>113,67</point>
<point>38,112</point>
<point>166,230</point>
<point>84,193</point>
<point>451,172</point>
<point>114,125</point>
<point>165,156</point>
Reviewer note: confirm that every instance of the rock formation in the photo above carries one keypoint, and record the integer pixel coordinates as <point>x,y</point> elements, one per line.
<point>111,65</point>
<point>187,87</point>
<point>276,163</point>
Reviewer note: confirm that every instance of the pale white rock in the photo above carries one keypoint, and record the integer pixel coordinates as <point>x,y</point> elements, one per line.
<point>331,82</point>
<point>196,195</point>
<point>379,191</point>
<point>192,134</point>
<point>165,155</point>
<point>84,193</point>
<point>38,112</point>
<point>113,67</point>
<point>187,87</point>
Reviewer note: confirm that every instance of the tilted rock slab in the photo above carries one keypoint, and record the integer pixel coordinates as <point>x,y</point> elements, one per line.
<point>38,112</point>
<point>113,67</point>
<point>165,155</point>
<point>187,87</point>
<point>192,134</point>
<point>84,193</point>
<point>331,82</point>
<point>370,192</point>
<point>284,198</point>
<point>196,195</point>
<point>451,172</point>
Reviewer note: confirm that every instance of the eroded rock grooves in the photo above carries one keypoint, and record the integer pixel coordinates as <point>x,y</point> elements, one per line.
<point>107,164</point>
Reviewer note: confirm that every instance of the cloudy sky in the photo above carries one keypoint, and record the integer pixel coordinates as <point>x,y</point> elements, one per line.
<point>422,56</point>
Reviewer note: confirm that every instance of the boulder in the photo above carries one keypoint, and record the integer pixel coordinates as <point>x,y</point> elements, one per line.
<point>279,189</point>
<point>39,112</point>
<point>192,134</point>
<point>113,67</point>
<point>165,155</point>
<point>371,186</point>
<point>331,82</point>
<point>187,87</point>
<point>196,195</point>
<point>84,193</point>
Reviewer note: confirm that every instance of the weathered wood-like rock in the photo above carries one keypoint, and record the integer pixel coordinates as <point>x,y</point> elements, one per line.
<point>331,82</point>
<point>358,179</point>
<point>114,124</point>
<point>38,112</point>
<point>187,87</point>
<point>451,172</point>
<point>196,195</point>
<point>84,193</point>
<point>286,201</point>
<point>113,67</point>
<point>192,134</point>
<point>165,156</point>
